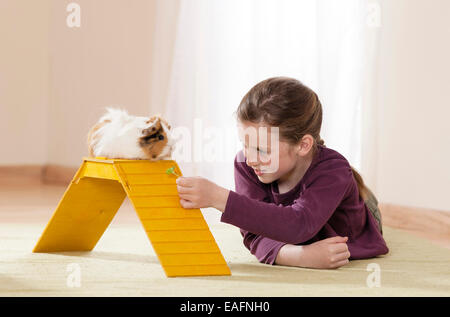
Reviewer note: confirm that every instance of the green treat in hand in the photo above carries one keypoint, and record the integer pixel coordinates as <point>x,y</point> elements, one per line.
<point>171,171</point>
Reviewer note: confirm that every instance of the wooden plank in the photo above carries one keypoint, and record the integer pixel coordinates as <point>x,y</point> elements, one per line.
<point>196,270</point>
<point>82,216</point>
<point>147,167</point>
<point>191,259</point>
<point>179,235</point>
<point>157,189</point>
<point>185,247</point>
<point>148,213</point>
<point>174,224</point>
<point>150,201</point>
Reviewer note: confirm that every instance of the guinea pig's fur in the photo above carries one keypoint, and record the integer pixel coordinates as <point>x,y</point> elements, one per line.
<point>118,135</point>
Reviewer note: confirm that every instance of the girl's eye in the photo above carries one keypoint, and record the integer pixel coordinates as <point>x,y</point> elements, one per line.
<point>262,152</point>
<point>258,150</point>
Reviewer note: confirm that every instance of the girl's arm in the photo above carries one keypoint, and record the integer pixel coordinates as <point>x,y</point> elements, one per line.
<point>267,227</point>
<point>299,222</point>
<point>327,253</point>
<point>247,184</point>
<point>264,249</point>
<point>324,254</point>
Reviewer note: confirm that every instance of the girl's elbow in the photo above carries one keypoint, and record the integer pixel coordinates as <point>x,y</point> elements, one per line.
<point>302,229</point>
<point>301,237</point>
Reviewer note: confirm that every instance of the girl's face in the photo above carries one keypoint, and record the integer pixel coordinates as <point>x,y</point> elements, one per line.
<point>270,158</point>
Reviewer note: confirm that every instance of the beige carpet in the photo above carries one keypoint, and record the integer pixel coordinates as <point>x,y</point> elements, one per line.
<point>124,264</point>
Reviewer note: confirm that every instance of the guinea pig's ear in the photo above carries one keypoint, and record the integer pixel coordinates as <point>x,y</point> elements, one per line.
<point>155,125</point>
<point>160,118</point>
<point>166,123</point>
<point>153,119</point>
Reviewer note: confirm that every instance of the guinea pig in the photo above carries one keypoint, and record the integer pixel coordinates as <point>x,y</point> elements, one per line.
<point>118,135</point>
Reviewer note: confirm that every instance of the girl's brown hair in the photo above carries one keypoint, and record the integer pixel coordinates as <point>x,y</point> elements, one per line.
<point>293,107</point>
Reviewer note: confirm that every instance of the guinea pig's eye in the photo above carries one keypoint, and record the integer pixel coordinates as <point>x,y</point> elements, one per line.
<point>161,137</point>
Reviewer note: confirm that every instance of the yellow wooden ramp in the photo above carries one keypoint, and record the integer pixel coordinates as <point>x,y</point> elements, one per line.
<point>180,237</point>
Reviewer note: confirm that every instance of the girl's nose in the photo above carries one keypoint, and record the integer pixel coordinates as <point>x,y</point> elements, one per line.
<point>251,158</point>
<point>251,164</point>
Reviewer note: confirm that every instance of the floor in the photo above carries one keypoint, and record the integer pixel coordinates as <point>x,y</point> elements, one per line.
<point>123,262</point>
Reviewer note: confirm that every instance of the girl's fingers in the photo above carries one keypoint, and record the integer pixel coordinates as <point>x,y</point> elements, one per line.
<point>186,197</point>
<point>336,239</point>
<point>341,256</point>
<point>183,190</point>
<point>186,203</point>
<point>340,263</point>
<point>184,181</point>
<point>339,247</point>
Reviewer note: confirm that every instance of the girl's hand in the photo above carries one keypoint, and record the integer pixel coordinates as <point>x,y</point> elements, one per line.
<point>329,253</point>
<point>198,192</point>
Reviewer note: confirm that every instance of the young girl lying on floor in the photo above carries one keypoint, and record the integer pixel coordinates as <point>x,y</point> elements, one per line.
<point>310,208</point>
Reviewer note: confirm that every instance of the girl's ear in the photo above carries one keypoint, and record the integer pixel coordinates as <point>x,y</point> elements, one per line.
<point>306,144</point>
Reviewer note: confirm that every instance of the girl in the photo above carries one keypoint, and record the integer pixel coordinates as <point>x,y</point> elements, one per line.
<point>313,210</point>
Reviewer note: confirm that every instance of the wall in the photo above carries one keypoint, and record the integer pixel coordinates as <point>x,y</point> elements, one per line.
<point>413,166</point>
<point>107,61</point>
<point>55,81</point>
<point>24,81</point>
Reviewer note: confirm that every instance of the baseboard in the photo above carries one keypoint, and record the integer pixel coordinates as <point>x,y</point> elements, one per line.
<point>36,174</point>
<point>20,174</point>
<point>57,175</point>
<point>427,223</point>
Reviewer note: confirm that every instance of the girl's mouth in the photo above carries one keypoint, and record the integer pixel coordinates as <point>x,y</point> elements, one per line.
<point>258,172</point>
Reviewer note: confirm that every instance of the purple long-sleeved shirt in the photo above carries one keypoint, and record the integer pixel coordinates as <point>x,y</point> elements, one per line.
<point>324,203</point>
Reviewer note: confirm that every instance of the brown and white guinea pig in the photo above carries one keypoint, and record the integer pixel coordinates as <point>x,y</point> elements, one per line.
<point>118,135</point>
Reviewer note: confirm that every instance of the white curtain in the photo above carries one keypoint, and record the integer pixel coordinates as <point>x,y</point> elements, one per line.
<point>223,48</point>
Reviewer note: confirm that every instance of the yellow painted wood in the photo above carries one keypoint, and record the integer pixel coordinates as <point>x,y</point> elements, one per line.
<point>144,189</point>
<point>180,237</point>
<point>185,247</point>
<point>99,170</point>
<point>155,201</point>
<point>175,224</point>
<point>190,259</point>
<point>83,214</point>
<point>170,212</point>
<point>193,270</point>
